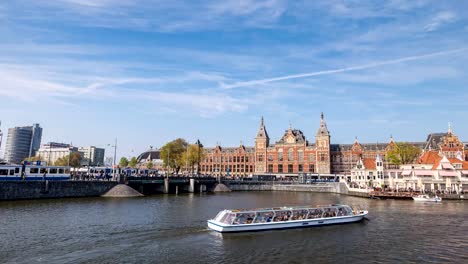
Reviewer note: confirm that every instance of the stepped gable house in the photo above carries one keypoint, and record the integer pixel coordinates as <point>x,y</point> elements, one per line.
<point>293,154</point>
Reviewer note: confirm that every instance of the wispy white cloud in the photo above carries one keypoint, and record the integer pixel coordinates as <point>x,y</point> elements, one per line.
<point>441,19</point>
<point>341,70</point>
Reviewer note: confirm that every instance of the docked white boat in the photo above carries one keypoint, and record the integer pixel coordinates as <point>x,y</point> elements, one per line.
<point>427,198</point>
<point>284,217</point>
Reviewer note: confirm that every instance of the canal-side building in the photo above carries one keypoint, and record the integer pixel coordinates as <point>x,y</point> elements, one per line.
<point>92,156</point>
<point>52,151</point>
<point>293,154</point>
<point>22,142</point>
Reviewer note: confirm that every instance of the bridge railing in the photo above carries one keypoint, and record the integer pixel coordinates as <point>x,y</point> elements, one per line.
<point>229,180</point>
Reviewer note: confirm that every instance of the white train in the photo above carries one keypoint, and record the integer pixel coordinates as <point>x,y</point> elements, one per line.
<point>33,172</point>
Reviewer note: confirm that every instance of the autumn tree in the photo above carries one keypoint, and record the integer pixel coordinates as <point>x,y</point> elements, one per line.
<point>72,160</point>
<point>149,165</point>
<point>123,163</point>
<point>36,158</point>
<point>193,155</point>
<point>403,153</point>
<point>133,162</point>
<point>172,154</point>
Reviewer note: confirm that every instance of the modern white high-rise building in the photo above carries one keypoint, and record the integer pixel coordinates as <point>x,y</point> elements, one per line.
<point>22,142</point>
<point>92,156</point>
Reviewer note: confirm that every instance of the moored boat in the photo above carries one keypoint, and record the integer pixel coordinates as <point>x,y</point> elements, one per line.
<point>284,217</point>
<point>427,198</point>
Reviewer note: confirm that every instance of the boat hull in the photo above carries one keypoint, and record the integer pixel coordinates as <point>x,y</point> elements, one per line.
<point>432,200</point>
<point>222,228</point>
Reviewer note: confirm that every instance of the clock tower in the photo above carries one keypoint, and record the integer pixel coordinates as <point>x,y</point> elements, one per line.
<point>262,141</point>
<point>322,144</point>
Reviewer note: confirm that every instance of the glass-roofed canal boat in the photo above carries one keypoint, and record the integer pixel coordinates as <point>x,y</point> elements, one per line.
<point>241,220</point>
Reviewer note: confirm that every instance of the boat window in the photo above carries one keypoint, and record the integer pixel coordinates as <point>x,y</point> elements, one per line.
<point>43,170</point>
<point>282,216</point>
<point>315,213</point>
<point>244,218</point>
<point>67,170</point>
<point>264,217</point>
<point>60,171</point>
<point>33,170</point>
<point>341,211</point>
<point>4,172</point>
<point>17,170</point>
<point>329,212</point>
<point>227,218</point>
<point>345,210</point>
<point>12,172</point>
<point>53,170</point>
<point>299,214</point>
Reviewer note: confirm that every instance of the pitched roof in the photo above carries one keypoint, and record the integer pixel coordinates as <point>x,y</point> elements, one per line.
<point>430,157</point>
<point>298,136</point>
<point>369,163</point>
<point>433,140</point>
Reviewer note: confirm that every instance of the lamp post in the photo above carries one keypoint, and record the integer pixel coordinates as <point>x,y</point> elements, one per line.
<point>114,157</point>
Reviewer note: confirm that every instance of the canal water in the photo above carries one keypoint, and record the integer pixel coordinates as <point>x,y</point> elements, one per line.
<point>172,229</point>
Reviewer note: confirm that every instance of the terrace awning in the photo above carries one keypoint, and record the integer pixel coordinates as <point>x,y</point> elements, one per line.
<point>447,166</point>
<point>465,172</point>
<point>424,173</point>
<point>406,173</point>
<point>445,173</point>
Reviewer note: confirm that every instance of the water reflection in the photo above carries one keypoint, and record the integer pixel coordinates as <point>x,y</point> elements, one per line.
<point>172,228</point>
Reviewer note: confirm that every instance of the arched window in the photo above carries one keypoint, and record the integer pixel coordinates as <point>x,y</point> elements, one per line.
<point>300,155</point>
<point>280,154</point>
<point>290,154</point>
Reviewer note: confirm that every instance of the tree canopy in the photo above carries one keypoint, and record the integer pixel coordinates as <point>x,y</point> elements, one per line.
<point>172,154</point>
<point>133,162</point>
<point>403,153</point>
<point>72,160</point>
<point>193,156</point>
<point>36,158</point>
<point>123,163</point>
<point>149,165</point>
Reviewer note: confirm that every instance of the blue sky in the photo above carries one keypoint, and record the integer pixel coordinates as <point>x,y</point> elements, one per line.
<point>147,72</point>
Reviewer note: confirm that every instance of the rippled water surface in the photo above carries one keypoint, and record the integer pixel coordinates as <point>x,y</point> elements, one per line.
<point>170,228</point>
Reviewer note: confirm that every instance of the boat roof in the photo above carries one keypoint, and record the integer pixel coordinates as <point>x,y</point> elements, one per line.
<point>283,208</point>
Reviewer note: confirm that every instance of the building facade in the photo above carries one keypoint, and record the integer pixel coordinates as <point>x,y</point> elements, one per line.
<point>293,154</point>
<point>92,156</point>
<point>22,142</point>
<point>53,151</point>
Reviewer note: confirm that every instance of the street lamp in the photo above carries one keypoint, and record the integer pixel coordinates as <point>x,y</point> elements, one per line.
<point>115,156</point>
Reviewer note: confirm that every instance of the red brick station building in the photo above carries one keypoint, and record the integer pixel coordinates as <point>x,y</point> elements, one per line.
<point>293,154</point>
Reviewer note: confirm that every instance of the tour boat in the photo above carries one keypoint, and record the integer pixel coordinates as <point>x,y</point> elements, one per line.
<point>241,220</point>
<point>427,198</point>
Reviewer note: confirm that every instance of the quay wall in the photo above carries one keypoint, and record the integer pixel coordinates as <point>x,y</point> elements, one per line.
<point>324,188</point>
<point>21,190</point>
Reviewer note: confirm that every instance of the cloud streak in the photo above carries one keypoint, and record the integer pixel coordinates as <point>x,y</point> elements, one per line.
<point>341,70</point>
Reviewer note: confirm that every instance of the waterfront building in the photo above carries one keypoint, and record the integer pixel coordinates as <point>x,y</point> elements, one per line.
<point>53,151</point>
<point>92,156</point>
<point>293,154</point>
<point>22,142</point>
<point>153,155</point>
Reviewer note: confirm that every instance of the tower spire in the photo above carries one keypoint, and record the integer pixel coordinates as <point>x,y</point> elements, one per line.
<point>450,128</point>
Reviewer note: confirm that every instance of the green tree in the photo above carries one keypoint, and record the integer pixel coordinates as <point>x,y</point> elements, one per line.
<point>193,155</point>
<point>123,163</point>
<point>133,162</point>
<point>36,158</point>
<point>72,160</point>
<point>149,165</point>
<point>172,154</point>
<point>403,153</point>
